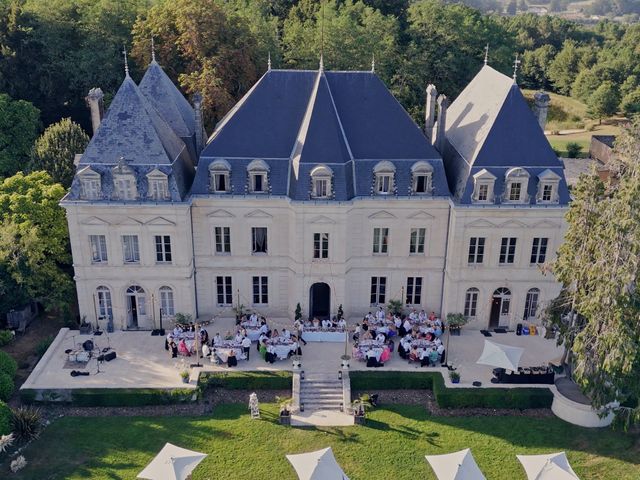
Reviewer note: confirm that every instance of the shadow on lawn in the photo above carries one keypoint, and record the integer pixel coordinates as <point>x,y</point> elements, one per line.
<point>550,434</point>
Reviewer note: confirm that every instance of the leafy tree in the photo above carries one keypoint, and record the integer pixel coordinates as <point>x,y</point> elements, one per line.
<point>630,104</point>
<point>535,65</point>
<point>630,84</point>
<point>56,149</point>
<point>586,82</point>
<point>19,127</point>
<point>598,265</point>
<point>34,241</point>
<point>573,149</point>
<point>565,67</point>
<point>604,101</point>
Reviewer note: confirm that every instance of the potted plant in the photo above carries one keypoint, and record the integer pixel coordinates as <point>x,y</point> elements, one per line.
<point>345,361</point>
<point>85,327</point>
<point>297,361</point>
<point>298,312</point>
<point>360,406</point>
<point>340,312</point>
<point>455,321</point>
<point>395,307</point>
<point>285,410</point>
<point>240,311</point>
<point>454,376</point>
<point>184,374</point>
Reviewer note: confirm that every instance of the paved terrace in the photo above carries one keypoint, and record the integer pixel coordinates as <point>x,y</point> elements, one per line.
<point>142,361</point>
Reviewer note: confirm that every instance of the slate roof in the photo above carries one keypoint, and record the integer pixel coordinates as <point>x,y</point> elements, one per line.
<point>299,118</point>
<point>490,125</point>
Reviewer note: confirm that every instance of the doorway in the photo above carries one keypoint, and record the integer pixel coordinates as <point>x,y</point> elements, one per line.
<point>320,301</point>
<point>500,306</point>
<point>136,307</point>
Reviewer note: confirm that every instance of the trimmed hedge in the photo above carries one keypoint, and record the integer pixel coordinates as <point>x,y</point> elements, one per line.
<point>516,398</point>
<point>6,386</point>
<point>247,380</point>
<point>122,397</point>
<point>5,418</point>
<point>8,365</point>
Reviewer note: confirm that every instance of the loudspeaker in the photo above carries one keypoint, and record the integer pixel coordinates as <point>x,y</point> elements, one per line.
<point>101,358</point>
<point>155,333</point>
<point>519,329</point>
<point>110,356</point>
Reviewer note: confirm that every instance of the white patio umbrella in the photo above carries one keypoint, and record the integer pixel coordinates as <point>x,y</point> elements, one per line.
<point>554,466</point>
<point>172,463</point>
<point>502,356</point>
<point>318,465</point>
<point>455,466</point>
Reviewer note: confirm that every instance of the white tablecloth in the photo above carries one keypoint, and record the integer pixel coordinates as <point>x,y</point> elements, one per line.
<point>282,351</point>
<point>253,334</point>
<point>223,353</point>
<point>323,336</point>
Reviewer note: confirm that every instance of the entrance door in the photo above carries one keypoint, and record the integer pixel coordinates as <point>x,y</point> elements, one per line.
<point>136,308</point>
<point>500,307</point>
<point>320,301</point>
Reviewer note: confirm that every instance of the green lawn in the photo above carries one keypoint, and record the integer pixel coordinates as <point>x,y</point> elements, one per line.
<point>391,446</point>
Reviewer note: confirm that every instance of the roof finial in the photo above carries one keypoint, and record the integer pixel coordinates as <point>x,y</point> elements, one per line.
<point>269,62</point>
<point>373,63</point>
<point>516,63</point>
<point>126,62</point>
<point>486,55</point>
<point>153,50</point>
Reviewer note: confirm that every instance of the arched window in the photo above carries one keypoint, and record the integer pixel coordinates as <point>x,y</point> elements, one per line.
<point>321,182</point>
<point>483,186</point>
<point>471,303</point>
<point>422,178</point>
<point>166,301</point>
<point>258,173</point>
<point>531,304</point>
<point>548,183</point>
<point>503,296</point>
<point>384,173</point>
<point>219,173</point>
<point>105,309</point>
<point>516,186</point>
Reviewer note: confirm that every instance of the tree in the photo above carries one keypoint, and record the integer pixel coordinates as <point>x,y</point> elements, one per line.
<point>630,104</point>
<point>534,67</point>
<point>565,67</point>
<point>55,150</point>
<point>603,102</point>
<point>34,240</point>
<point>598,265</point>
<point>19,127</point>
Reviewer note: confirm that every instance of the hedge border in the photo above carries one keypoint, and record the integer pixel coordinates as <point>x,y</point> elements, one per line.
<point>113,397</point>
<point>510,398</point>
<point>247,380</point>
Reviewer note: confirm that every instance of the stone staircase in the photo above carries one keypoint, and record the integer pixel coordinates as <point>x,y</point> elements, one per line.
<point>321,391</point>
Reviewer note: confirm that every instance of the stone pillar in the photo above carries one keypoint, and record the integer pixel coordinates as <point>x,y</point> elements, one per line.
<point>200,133</point>
<point>541,107</point>
<point>94,100</point>
<point>430,111</point>
<point>440,136</point>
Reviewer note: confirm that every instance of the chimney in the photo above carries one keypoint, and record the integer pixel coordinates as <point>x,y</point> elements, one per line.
<point>200,132</point>
<point>94,100</point>
<point>541,107</point>
<point>440,140</point>
<point>430,111</point>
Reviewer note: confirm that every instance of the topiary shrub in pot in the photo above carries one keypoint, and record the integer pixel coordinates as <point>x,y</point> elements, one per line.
<point>454,322</point>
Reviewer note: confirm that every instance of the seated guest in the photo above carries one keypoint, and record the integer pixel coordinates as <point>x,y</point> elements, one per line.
<point>264,328</point>
<point>356,333</point>
<point>342,323</point>
<point>380,338</point>
<point>325,324</point>
<point>432,316</point>
<point>167,341</point>
<point>437,331</point>
<point>183,349</point>
<point>406,325</point>
<point>177,331</point>
<point>286,334</point>
<point>367,335</point>
<point>228,335</point>
<point>253,320</point>
<point>270,356</point>
<point>413,316</point>
<point>262,339</point>
<point>192,327</point>
<point>433,357</point>
<point>369,317</point>
<point>372,361</point>
<point>380,315</point>
<point>243,332</point>
<point>275,333</point>
<point>206,351</point>
<point>217,340</point>
<point>232,361</point>
<point>316,322</point>
<point>238,338</point>
<point>422,316</point>
<point>424,357</point>
<point>413,355</point>
<point>204,336</point>
<point>263,349</point>
<point>386,355</point>
<point>295,349</point>
<point>365,324</point>
<point>174,349</point>
<point>397,321</point>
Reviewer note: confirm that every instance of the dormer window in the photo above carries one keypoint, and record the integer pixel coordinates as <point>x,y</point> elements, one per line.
<point>258,176</point>
<point>484,182</point>
<point>90,184</point>
<point>158,185</point>
<point>219,173</point>
<point>124,181</point>
<point>321,182</point>
<point>548,183</point>
<point>384,175</point>
<point>422,174</point>
<point>516,183</point>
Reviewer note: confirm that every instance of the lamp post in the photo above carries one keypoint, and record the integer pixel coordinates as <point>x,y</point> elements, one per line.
<point>162,332</point>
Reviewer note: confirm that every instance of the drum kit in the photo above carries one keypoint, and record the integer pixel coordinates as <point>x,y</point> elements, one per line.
<point>87,350</point>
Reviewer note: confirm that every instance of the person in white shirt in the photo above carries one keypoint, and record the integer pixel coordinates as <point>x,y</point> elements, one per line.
<point>177,331</point>
<point>369,316</point>
<point>286,334</point>
<point>238,337</point>
<point>407,325</point>
<point>253,319</point>
<point>397,321</point>
<point>440,350</point>
<point>246,346</point>
<point>422,316</point>
<point>380,338</point>
<point>325,323</point>
<point>342,323</point>
<point>356,332</point>
<point>217,340</point>
<point>380,314</point>
<point>413,315</point>
<point>206,351</point>
<point>264,328</point>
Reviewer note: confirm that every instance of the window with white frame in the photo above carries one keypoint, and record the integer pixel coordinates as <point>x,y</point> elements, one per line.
<point>98,248</point>
<point>219,174</point>
<point>130,249</point>
<point>539,250</point>
<point>548,182</point>
<point>531,304</point>
<point>158,185</point>
<point>416,241</point>
<point>258,176</point>
<point>90,184</point>
<point>105,309</point>
<point>224,290</point>
<point>380,241</point>
<point>378,291</point>
<point>320,245</point>
<point>163,249</point>
<point>384,173</point>
<point>414,291</point>
<point>321,182</point>
<point>507,250</point>
<point>222,240</point>
<point>259,240</point>
<point>166,301</point>
<point>516,185</point>
<point>260,290</point>
<point>125,187</point>
<point>483,186</point>
<point>422,175</point>
<point>471,302</point>
<point>476,250</point>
